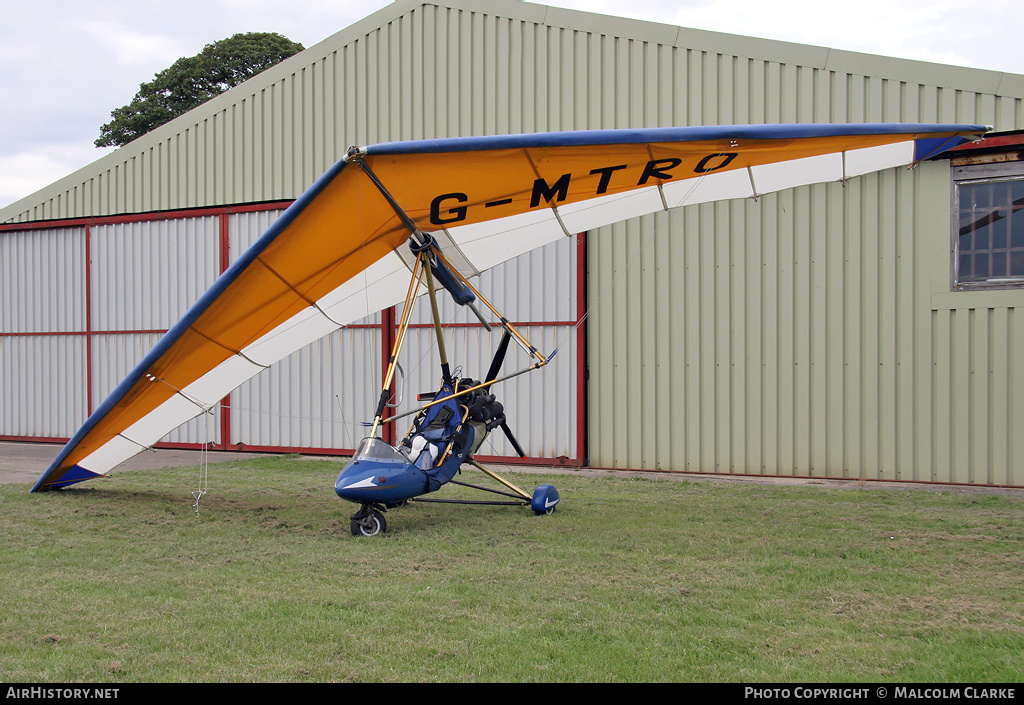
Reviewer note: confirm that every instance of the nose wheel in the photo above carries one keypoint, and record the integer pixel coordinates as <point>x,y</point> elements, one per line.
<point>368,522</point>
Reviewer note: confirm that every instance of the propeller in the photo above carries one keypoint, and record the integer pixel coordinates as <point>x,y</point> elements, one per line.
<point>498,360</point>
<point>512,439</point>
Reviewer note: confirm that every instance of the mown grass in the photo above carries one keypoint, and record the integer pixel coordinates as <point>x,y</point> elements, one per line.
<point>631,580</point>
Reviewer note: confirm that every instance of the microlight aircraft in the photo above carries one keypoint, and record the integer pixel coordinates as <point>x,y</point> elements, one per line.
<point>389,216</point>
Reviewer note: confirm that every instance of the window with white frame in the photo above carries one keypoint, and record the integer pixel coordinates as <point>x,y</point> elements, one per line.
<point>988,226</point>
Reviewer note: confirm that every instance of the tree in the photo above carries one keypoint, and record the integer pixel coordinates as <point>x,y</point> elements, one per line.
<point>191,81</point>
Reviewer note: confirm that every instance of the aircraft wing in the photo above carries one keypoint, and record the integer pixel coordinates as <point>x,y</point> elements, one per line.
<point>336,254</point>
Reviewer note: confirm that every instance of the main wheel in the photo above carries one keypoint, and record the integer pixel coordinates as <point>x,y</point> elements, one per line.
<point>370,525</point>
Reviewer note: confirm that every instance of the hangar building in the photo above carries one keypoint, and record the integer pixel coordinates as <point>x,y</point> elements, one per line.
<point>865,329</point>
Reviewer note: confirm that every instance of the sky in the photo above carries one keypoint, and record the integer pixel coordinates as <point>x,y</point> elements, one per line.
<point>66,64</point>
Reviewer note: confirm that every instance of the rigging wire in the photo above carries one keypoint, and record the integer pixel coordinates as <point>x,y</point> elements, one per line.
<point>204,464</point>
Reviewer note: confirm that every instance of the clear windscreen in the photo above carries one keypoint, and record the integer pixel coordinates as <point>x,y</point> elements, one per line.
<point>377,449</point>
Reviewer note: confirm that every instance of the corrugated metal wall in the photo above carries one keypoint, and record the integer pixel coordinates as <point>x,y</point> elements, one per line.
<point>144,276</point>
<point>810,333</point>
<point>40,383</point>
<point>43,356</point>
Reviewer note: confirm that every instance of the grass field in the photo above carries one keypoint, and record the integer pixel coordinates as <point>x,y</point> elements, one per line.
<point>631,580</point>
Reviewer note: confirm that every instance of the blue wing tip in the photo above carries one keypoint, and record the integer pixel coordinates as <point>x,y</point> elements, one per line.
<point>928,147</point>
<point>71,476</point>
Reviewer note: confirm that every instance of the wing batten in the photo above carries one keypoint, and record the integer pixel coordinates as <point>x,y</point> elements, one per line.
<point>333,258</point>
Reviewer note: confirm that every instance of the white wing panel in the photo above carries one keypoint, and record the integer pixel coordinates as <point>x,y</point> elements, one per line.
<point>494,242</point>
<point>205,392</point>
<point>382,284</point>
<point>709,187</point>
<point>215,384</point>
<point>298,331</point>
<point>601,211</point>
<point>769,178</point>
<point>171,414</point>
<point>110,454</point>
<point>865,161</point>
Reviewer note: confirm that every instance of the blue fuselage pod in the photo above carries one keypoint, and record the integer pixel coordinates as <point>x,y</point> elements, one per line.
<point>378,473</point>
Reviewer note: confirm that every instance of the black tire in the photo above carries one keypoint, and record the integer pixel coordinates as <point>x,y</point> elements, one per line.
<point>372,525</point>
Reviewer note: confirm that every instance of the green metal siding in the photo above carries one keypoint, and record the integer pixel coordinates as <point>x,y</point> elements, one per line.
<point>812,333</point>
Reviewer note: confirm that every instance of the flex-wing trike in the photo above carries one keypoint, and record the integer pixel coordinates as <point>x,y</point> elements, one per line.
<point>449,427</point>
<point>445,431</point>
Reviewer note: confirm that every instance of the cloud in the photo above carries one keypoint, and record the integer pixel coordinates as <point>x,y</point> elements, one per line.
<point>132,47</point>
<point>925,30</point>
<point>27,172</point>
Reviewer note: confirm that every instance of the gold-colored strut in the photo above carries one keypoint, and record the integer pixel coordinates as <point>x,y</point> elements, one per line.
<point>403,326</point>
<point>463,392</point>
<point>523,342</point>
<point>436,315</point>
<point>422,241</point>
<point>499,478</point>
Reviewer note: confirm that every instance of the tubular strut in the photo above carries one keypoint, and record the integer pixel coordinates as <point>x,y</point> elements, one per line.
<point>467,390</point>
<point>523,342</point>
<point>520,496</point>
<point>496,476</point>
<point>355,156</point>
<point>423,242</point>
<point>403,326</point>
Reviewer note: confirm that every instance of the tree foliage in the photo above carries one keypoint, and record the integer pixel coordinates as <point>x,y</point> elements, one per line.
<point>190,82</point>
